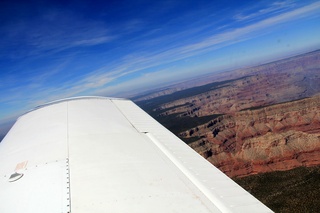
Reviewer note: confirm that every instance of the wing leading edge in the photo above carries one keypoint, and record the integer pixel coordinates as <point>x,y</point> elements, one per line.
<point>94,154</point>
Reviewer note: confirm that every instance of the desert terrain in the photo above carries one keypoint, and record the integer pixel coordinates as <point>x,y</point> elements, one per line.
<point>253,120</point>
<point>259,125</point>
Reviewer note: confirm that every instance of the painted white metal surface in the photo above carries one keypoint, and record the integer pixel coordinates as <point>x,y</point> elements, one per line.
<point>120,160</point>
<point>43,188</point>
<point>36,146</point>
<point>226,195</point>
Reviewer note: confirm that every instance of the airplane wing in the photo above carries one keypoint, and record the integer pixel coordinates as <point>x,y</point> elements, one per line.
<point>95,154</point>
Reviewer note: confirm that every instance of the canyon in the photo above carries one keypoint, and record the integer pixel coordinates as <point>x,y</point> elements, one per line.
<point>250,120</point>
<point>273,138</point>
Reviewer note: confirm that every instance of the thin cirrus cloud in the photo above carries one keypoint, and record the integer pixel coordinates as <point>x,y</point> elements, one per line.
<point>247,32</point>
<point>53,33</point>
<point>133,63</point>
<point>142,53</point>
<point>92,41</point>
<point>272,9</point>
<point>149,58</point>
<point>210,43</point>
<point>148,80</point>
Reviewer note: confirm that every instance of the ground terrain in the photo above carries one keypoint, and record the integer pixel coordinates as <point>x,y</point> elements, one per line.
<point>251,121</point>
<point>265,118</point>
<point>295,190</point>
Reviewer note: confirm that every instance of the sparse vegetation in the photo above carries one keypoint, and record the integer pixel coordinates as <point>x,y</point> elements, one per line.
<point>191,139</point>
<point>261,107</point>
<point>296,190</point>
<point>178,124</point>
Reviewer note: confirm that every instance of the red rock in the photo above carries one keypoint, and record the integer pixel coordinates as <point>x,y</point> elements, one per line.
<point>263,140</point>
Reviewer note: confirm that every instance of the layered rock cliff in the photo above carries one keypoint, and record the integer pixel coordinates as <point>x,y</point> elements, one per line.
<point>276,137</point>
<point>284,80</point>
<point>251,91</point>
<point>255,127</point>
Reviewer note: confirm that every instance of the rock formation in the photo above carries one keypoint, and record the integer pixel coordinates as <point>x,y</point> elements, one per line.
<point>265,118</point>
<point>277,137</point>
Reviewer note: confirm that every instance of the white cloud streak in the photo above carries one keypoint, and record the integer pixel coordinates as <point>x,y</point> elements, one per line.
<point>48,34</point>
<point>133,63</point>
<point>96,82</point>
<point>273,8</point>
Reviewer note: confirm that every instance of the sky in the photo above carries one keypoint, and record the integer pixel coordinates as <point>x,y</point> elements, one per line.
<point>51,50</point>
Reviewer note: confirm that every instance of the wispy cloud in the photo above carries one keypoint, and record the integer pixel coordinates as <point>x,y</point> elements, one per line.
<point>51,36</point>
<point>145,81</point>
<point>233,36</point>
<point>271,9</point>
<point>92,41</point>
<point>54,31</point>
<point>140,61</point>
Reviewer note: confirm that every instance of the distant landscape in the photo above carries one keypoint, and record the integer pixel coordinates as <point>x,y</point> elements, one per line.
<point>250,121</point>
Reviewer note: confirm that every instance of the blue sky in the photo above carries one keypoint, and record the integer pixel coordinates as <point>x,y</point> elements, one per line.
<point>56,49</point>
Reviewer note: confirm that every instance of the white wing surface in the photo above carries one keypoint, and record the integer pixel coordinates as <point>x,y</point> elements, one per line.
<point>94,154</point>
